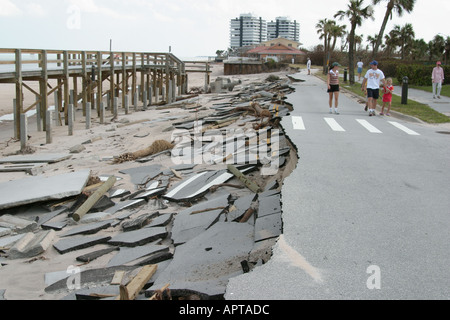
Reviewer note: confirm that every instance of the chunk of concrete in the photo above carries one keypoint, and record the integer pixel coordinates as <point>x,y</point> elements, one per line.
<point>197,186</point>
<point>34,189</point>
<point>88,229</point>
<point>32,245</point>
<point>18,225</point>
<point>268,226</point>
<point>205,263</point>
<point>269,205</point>
<point>161,221</point>
<point>138,237</point>
<point>139,222</point>
<point>35,158</point>
<point>141,175</point>
<point>75,243</point>
<point>126,255</point>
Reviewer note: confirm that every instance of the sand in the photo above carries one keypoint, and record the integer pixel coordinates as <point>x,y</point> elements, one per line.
<point>24,279</point>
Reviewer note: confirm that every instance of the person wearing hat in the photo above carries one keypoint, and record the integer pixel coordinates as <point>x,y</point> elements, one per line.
<point>373,78</point>
<point>333,87</point>
<point>438,80</point>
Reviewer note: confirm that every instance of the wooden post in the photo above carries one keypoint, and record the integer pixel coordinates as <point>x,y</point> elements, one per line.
<point>38,114</point>
<point>141,96</point>
<point>111,81</point>
<point>134,80</point>
<point>48,126</point>
<point>70,119</point>
<point>88,115</point>
<point>44,89</point>
<point>23,131</point>
<point>167,69</point>
<point>19,92</point>
<point>248,183</point>
<point>66,88</point>
<point>99,80</point>
<point>92,200</point>
<point>85,82</point>
<point>124,78</point>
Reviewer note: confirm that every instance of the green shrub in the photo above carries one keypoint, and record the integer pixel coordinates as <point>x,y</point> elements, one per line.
<point>419,75</point>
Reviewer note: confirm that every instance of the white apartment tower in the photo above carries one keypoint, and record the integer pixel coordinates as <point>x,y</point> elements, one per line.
<point>247,30</point>
<point>283,28</point>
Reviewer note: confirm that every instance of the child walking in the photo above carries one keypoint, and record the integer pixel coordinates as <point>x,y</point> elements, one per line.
<point>388,89</point>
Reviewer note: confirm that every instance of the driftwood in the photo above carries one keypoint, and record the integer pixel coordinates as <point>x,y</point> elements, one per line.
<point>258,112</point>
<point>156,147</point>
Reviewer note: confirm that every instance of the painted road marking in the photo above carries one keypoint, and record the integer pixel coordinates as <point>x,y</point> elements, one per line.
<point>334,125</point>
<point>403,128</point>
<point>368,126</point>
<point>298,123</point>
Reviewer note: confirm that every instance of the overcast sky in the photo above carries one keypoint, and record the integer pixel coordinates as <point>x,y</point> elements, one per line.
<point>190,27</point>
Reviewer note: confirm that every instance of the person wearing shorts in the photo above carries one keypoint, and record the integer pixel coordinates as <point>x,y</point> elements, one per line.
<point>373,78</point>
<point>360,65</point>
<point>333,87</point>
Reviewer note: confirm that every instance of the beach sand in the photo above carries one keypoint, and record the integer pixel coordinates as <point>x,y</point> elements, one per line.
<point>24,279</point>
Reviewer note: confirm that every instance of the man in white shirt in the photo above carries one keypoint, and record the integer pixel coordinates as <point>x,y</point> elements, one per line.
<point>308,65</point>
<point>373,78</point>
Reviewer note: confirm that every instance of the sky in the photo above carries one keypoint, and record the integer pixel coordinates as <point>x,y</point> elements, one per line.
<point>188,28</point>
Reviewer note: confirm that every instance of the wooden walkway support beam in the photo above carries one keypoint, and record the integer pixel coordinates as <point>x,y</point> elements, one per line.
<point>74,76</point>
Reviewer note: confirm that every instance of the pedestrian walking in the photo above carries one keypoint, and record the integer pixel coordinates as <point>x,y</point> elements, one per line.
<point>388,89</point>
<point>438,80</point>
<point>373,78</point>
<point>308,66</point>
<point>360,65</point>
<point>333,87</point>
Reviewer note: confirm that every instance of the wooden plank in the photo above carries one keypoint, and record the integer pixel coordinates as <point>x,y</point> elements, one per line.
<point>118,277</point>
<point>85,207</point>
<point>131,290</point>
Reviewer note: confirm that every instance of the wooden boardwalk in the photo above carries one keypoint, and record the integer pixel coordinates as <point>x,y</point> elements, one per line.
<point>140,79</point>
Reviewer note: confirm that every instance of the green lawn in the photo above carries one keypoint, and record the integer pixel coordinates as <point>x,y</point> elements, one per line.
<point>445,89</point>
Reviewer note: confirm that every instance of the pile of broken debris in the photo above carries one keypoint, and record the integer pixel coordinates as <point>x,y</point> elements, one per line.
<point>183,231</point>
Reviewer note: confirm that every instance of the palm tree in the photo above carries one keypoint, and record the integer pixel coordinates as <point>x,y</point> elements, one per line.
<point>356,13</point>
<point>420,49</point>
<point>404,37</point>
<point>324,28</point>
<point>372,41</point>
<point>337,32</point>
<point>399,6</point>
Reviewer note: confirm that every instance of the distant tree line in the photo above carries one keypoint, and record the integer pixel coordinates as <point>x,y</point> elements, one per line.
<point>398,44</point>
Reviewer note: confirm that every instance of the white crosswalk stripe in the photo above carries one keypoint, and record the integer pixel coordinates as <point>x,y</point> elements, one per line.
<point>368,126</point>
<point>299,124</point>
<point>403,128</point>
<point>334,125</point>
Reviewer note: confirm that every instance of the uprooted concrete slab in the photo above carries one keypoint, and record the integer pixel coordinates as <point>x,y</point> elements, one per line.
<point>34,189</point>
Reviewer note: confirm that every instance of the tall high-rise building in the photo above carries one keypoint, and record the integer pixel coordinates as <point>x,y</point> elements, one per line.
<point>282,27</point>
<point>247,30</point>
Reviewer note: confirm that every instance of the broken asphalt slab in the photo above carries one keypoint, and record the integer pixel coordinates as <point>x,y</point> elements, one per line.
<point>75,243</point>
<point>205,263</point>
<point>34,189</point>
<point>138,237</point>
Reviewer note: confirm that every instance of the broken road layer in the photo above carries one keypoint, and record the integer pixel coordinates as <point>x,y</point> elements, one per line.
<point>192,233</point>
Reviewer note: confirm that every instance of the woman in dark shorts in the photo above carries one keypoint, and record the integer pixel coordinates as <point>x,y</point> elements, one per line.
<point>333,87</point>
